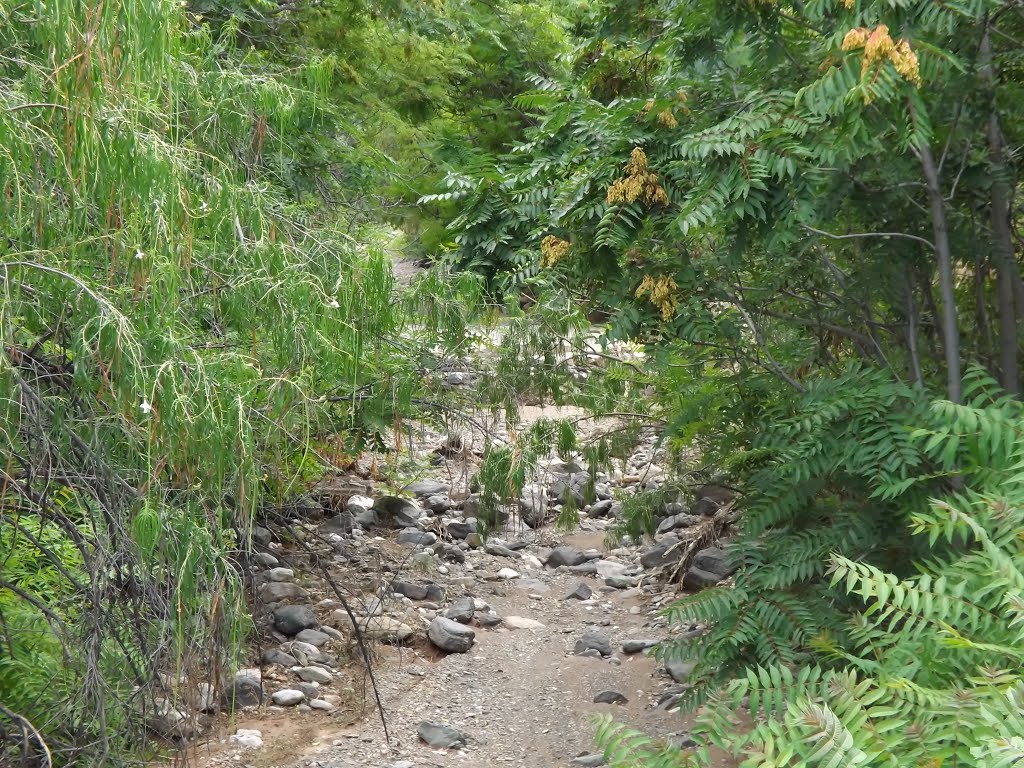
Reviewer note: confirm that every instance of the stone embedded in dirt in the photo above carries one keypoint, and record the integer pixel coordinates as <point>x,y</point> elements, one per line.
<point>438,503</point>
<point>590,653</point>
<point>401,764</point>
<point>277,656</point>
<point>427,487</point>
<point>309,690</point>
<point>450,636</point>
<point>461,610</point>
<point>679,670</point>
<point>435,593</point>
<point>487,620</point>
<point>410,590</point>
<point>682,520</point>
<point>247,739</point>
<point>276,591</point>
<point>682,740</point>
<point>365,520</point>
<point>519,622</point>
<point>533,585</point>
<point>610,697</point>
<point>314,675</point>
<point>588,568</point>
<point>323,706</point>
<point>637,645</point>
<point>621,582</point>
<point>601,508</point>
<point>439,736</point>
<point>565,556</point>
<point>593,639</point>
<point>589,761</point>
<point>397,512</point>
<point>581,592</point>
<point>340,523</point>
<point>291,619</point>
<point>668,552</point>
<point>313,637</point>
<point>357,504</point>
<point>417,538</point>
<point>288,697</point>
<point>508,574</point>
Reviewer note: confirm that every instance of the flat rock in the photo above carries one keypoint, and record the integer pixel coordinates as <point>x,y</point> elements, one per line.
<point>589,761</point>
<point>314,675</point>
<point>675,522</point>
<point>276,591</point>
<point>247,739</point>
<point>508,573</point>
<point>621,582</point>
<point>410,590</point>
<point>385,629</point>
<point>601,508</point>
<point>667,552</point>
<point>679,670</point>
<point>696,579</point>
<point>499,551</point>
<point>277,656</point>
<point>280,574</point>
<point>440,736</point>
<point>565,556</point>
<point>417,538</point>
<point>450,636</point>
<point>313,637</point>
<point>713,560</point>
<point>637,645</point>
<point>289,620</point>
<point>427,487</point>
<point>520,622</point>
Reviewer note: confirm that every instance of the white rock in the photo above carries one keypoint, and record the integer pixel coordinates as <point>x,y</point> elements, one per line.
<point>322,705</point>
<point>281,574</point>
<point>247,739</point>
<point>519,622</point>
<point>508,573</point>
<point>289,697</point>
<point>314,675</point>
<point>531,561</point>
<point>357,504</point>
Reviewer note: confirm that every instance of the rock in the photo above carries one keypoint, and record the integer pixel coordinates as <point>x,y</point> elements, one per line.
<point>716,493</point>
<point>247,739</point>
<point>288,697</point>
<point>508,573</point>
<point>533,505</point>
<point>276,656</point>
<point>289,620</point>
<point>593,639</point>
<point>682,520</point>
<point>461,610</point>
<point>427,488</point>
<point>365,520</point>
<point>451,553</point>
<point>458,529</point>
<point>313,637</point>
<point>385,629</point>
<point>637,645</point>
<point>610,697</point>
<point>706,507</point>
<point>573,485</point>
<point>565,556</point>
<point>280,574</point>
<point>438,503</point>
<point>439,736</point>
<point>309,690</point>
<point>590,653</point>
<point>601,508</point>
<point>314,675</point>
<point>303,652</point>
<point>357,504</point>
<point>714,560</point>
<point>410,590</point>
<point>450,636</point>
<point>532,561</point>
<point>265,559</point>
<point>435,593</point>
<point>417,538</point>
<point>474,540</point>
<point>169,721</point>
<point>695,579</point>
<point>397,512</point>
<point>276,591</point>
<point>606,568</point>
<point>519,622</point>
<point>343,523</point>
<point>262,535</point>
<point>668,552</point>
<point>589,761</point>
<point>245,690</point>
<point>488,620</point>
<point>320,704</point>
<point>581,592</point>
<point>584,569</point>
<point>679,670</point>
<point>499,551</point>
<point>621,582</point>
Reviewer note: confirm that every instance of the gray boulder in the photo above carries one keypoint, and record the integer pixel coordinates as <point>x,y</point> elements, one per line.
<point>417,538</point>
<point>289,697</point>
<point>679,670</point>
<point>244,691</point>
<point>565,556</point>
<point>459,529</point>
<point>594,640</point>
<point>682,520</point>
<point>668,552</point>
<point>581,592</point>
<point>289,620</point>
<point>601,508</point>
<point>439,736</point>
<point>438,503</point>
<point>713,560</point>
<point>396,512</point>
<point>461,610</point>
<point>427,487</point>
<point>696,579</point>
<point>610,697</point>
<point>276,591</point>
<point>450,636</point>
<point>410,590</point>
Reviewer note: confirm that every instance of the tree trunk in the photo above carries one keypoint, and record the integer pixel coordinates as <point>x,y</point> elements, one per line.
<point>912,324</point>
<point>940,235</point>
<point>1002,237</point>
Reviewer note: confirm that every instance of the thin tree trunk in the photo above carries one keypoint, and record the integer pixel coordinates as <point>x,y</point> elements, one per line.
<point>940,237</point>
<point>1002,237</point>
<point>912,324</point>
